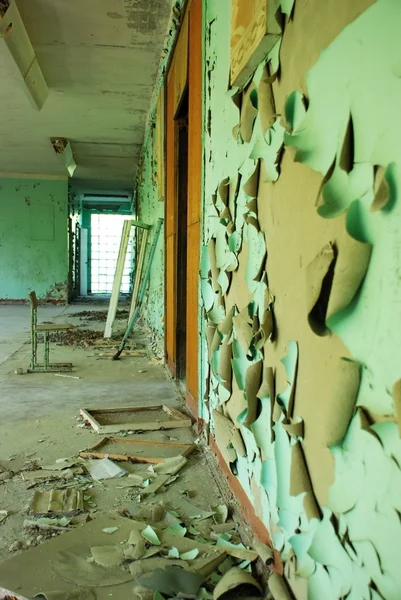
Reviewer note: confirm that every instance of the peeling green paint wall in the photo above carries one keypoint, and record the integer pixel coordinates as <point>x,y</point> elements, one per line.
<point>301,290</point>
<point>150,209</point>
<point>33,239</point>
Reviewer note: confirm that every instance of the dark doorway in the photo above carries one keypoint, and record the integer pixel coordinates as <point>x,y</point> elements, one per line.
<point>181,240</point>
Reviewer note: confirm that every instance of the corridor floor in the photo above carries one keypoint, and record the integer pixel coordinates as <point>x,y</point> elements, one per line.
<point>40,423</point>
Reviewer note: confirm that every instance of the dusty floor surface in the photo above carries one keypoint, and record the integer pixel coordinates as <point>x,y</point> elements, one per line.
<point>40,422</point>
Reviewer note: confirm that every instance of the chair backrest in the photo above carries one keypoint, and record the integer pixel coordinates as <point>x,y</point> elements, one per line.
<point>33,300</point>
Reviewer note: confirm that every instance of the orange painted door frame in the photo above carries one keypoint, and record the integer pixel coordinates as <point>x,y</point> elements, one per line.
<point>185,74</point>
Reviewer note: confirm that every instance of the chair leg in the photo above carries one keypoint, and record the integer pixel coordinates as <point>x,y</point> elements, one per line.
<point>34,348</point>
<point>47,350</point>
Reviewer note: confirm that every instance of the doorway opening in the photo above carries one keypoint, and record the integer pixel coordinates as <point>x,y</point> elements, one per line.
<point>181,239</point>
<point>106,230</point>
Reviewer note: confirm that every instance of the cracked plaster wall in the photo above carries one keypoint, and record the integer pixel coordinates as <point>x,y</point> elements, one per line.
<point>301,290</point>
<point>33,239</point>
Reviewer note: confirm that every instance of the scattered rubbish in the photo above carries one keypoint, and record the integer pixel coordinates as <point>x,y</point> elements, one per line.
<point>76,337</point>
<point>53,525</point>
<point>138,418</point>
<point>150,535</point>
<point>177,529</point>
<point>170,465</point>
<point>233,579</point>
<point>104,469</point>
<point>62,502</point>
<point>141,451</point>
<point>159,482</point>
<point>3,515</point>
<point>224,527</point>
<point>236,550</point>
<point>190,493</point>
<point>47,474</point>
<point>110,530</point>
<point>193,531</point>
<point>61,463</point>
<point>190,511</point>
<point>220,514</point>
<point>173,553</point>
<point>19,371</point>
<point>190,555</point>
<point>98,316</point>
<point>68,376</point>
<point>128,353</point>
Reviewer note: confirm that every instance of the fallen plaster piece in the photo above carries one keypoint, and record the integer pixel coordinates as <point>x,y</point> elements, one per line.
<point>150,535</point>
<point>108,556</point>
<point>190,511</point>
<point>170,466</point>
<point>233,579</point>
<point>159,482</point>
<point>3,515</point>
<point>236,550</point>
<point>110,530</point>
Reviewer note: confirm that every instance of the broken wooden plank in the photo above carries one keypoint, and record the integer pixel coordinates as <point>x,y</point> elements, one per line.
<point>115,294</point>
<point>138,271</point>
<point>138,418</point>
<point>120,449</point>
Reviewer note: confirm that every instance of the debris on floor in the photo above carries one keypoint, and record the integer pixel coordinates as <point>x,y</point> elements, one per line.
<point>99,315</point>
<point>104,469</point>
<point>166,547</point>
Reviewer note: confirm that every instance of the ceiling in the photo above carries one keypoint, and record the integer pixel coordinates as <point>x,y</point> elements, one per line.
<point>100,59</point>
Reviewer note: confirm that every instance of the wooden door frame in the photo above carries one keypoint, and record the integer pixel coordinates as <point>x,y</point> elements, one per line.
<point>185,68</point>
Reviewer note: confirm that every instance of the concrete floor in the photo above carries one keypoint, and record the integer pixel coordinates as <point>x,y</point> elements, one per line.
<point>39,413</point>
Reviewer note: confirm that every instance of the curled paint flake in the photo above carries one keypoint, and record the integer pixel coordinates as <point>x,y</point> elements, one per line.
<point>290,363</point>
<point>256,256</point>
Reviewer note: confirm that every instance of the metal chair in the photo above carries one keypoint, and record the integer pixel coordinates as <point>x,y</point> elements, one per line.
<point>45,330</point>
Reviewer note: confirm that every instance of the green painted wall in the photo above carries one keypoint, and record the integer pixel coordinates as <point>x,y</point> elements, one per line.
<point>33,238</point>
